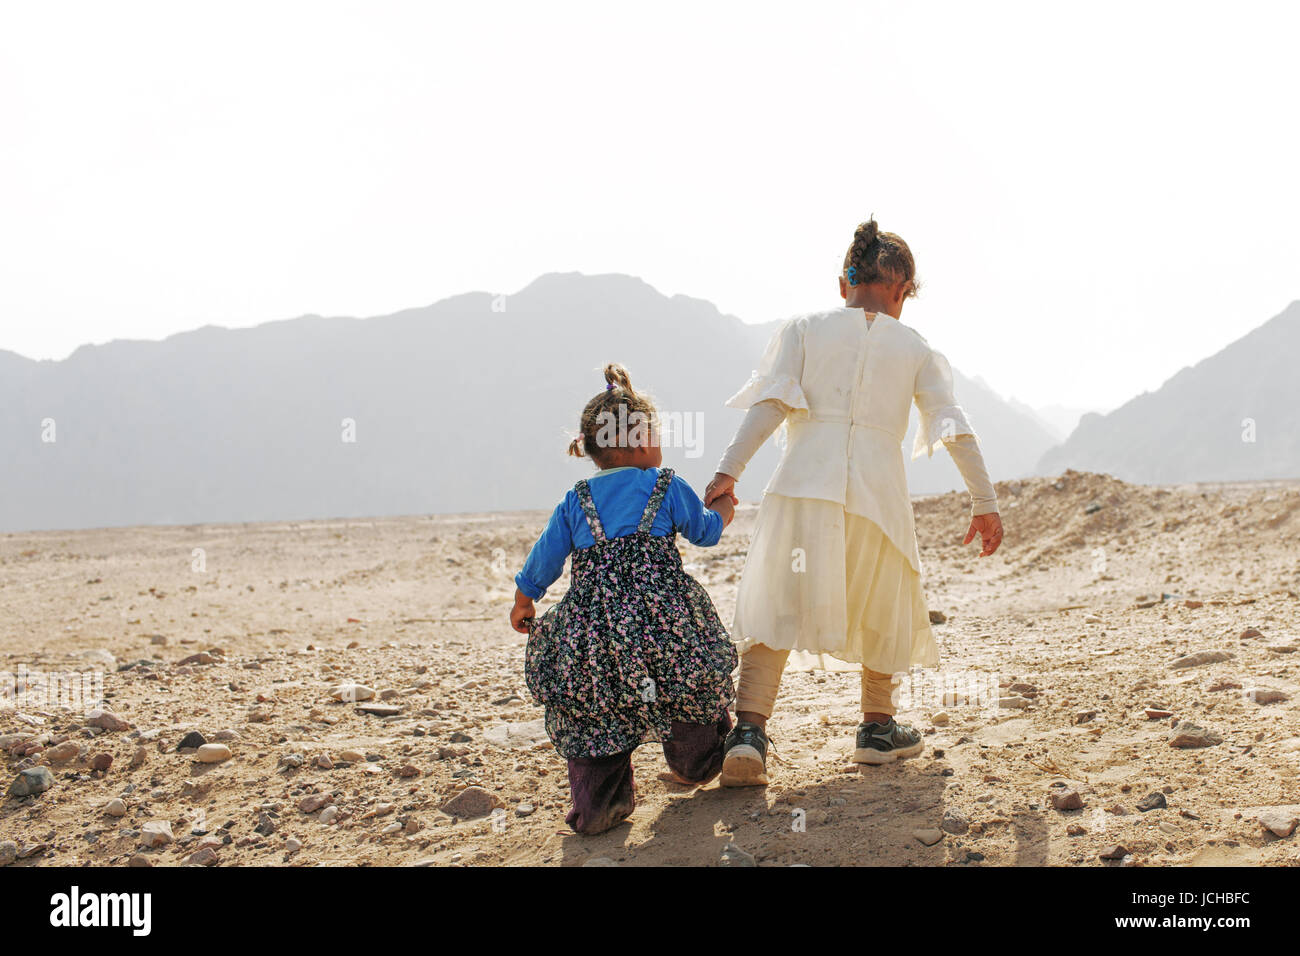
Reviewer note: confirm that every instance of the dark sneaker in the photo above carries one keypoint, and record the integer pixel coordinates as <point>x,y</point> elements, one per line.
<point>883,743</point>
<point>745,760</point>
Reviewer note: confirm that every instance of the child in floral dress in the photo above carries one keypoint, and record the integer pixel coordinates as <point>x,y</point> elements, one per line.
<point>635,650</point>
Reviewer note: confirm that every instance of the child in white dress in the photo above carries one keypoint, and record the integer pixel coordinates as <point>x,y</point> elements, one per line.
<point>833,567</point>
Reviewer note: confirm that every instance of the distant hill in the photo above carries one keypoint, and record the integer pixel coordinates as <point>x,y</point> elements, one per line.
<point>1230,417</point>
<point>464,405</point>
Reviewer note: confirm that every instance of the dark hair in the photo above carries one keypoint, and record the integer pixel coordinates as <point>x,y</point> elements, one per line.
<point>880,257</point>
<point>618,405</point>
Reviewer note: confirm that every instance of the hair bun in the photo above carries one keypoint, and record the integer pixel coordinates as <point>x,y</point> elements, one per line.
<point>867,232</point>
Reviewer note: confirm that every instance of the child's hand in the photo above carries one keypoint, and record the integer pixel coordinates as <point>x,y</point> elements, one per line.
<point>522,612</point>
<point>989,528</point>
<point>725,506</point>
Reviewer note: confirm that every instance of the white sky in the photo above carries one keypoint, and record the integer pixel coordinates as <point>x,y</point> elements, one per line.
<point>1096,195</point>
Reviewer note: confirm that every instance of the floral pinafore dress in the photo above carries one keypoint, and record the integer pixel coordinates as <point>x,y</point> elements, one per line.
<point>634,645</point>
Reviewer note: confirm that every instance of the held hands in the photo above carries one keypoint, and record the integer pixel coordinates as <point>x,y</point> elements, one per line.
<point>721,485</point>
<point>725,506</point>
<point>989,528</point>
<point>522,613</point>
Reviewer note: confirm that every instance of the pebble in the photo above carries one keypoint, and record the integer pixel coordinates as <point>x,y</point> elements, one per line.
<point>292,845</point>
<point>1199,658</point>
<point>1279,822</point>
<point>213,753</point>
<point>1114,852</point>
<point>733,855</point>
<point>525,810</point>
<point>156,833</point>
<point>328,815</point>
<point>1152,801</point>
<point>1186,734</point>
<point>1155,713</point>
<point>1267,695</point>
<point>313,802</point>
<point>938,617</point>
<point>115,808</point>
<point>929,837</point>
<point>291,760</point>
<point>265,824</point>
<point>205,856</point>
<point>227,736</point>
<point>139,860</point>
<point>324,762</point>
<point>941,719</point>
<point>352,692</point>
<point>139,757</point>
<point>380,710</point>
<point>954,821</point>
<point>1013,703</point>
<point>1066,800</point>
<point>192,741</point>
<point>101,762</point>
<point>470,803</point>
<point>352,756</point>
<point>106,720</point>
<point>62,753</point>
<point>30,782</point>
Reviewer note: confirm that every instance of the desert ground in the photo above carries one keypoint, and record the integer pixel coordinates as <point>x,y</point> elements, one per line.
<point>1118,689</point>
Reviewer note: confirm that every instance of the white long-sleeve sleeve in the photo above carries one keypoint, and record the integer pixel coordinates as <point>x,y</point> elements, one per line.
<point>966,455</point>
<point>762,419</point>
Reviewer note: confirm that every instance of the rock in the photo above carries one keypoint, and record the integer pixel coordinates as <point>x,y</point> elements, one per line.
<point>139,757</point>
<point>1084,716</point>
<point>733,855</point>
<point>292,761</point>
<point>954,821</point>
<point>292,845</point>
<point>115,808</point>
<point>929,837</point>
<point>1155,713</point>
<point>408,770</point>
<point>941,719</point>
<point>1250,634</point>
<point>62,753</point>
<point>159,639</point>
<point>1013,703</point>
<point>325,762</point>
<point>1199,658</point>
<point>352,756</point>
<point>328,815</point>
<point>1092,619</point>
<point>192,741</point>
<point>938,617</point>
<point>1075,830</point>
<point>156,833</point>
<point>106,720</point>
<point>380,710</point>
<point>525,810</point>
<point>205,856</point>
<point>313,802</point>
<point>1114,852</point>
<point>139,860</point>
<point>101,762</point>
<point>265,824</point>
<point>202,657</point>
<point>352,693</point>
<point>1278,821</point>
<point>213,753</point>
<point>1267,695</point>
<point>1187,734</point>
<point>1024,690</point>
<point>516,736</point>
<point>30,782</point>
<point>227,736</point>
<point>1222,685</point>
<point>602,861</point>
<point>8,852</point>
<point>1066,800</point>
<point>1152,801</point>
<point>470,803</point>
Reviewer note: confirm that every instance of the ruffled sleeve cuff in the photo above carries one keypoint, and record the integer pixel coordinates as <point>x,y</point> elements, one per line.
<point>781,388</point>
<point>940,425</point>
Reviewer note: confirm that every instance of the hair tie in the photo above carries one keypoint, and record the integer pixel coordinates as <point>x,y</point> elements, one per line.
<point>853,275</point>
<point>608,386</point>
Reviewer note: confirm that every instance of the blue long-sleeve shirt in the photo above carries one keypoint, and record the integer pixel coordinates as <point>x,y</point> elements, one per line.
<point>620,496</point>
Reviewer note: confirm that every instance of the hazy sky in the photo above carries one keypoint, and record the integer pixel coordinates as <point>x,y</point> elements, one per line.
<point>1097,194</point>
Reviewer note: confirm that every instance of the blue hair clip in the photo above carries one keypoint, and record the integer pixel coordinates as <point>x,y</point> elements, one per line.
<point>853,275</point>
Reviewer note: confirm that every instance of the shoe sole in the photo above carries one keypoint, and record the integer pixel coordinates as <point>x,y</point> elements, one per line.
<point>743,767</point>
<point>876,758</point>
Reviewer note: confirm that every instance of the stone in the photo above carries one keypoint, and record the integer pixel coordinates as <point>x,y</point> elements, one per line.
<point>515,736</point>
<point>1116,851</point>
<point>352,693</point>
<point>525,810</point>
<point>192,741</point>
<point>156,833</point>
<point>954,821</point>
<point>265,824</point>
<point>1267,695</point>
<point>8,852</point>
<point>1200,658</point>
<point>938,617</point>
<point>380,710</point>
<point>1278,821</point>
<point>1250,634</point>
<point>313,802</point>
<point>139,757</point>
<point>101,762</point>
<point>1152,801</point>
<point>140,861</point>
<point>62,753</point>
<point>1155,713</point>
<point>1186,734</point>
<point>292,845</point>
<point>227,736</point>
<point>213,753</point>
<point>470,803</point>
<point>106,720</point>
<point>408,770</point>
<point>1066,800</point>
<point>325,762</point>
<point>328,815</point>
<point>352,756</point>
<point>202,657</point>
<point>941,719</point>
<point>115,808</point>
<point>733,855</point>
<point>30,782</point>
<point>292,761</point>
<point>929,836</point>
<point>1013,703</point>
<point>204,856</point>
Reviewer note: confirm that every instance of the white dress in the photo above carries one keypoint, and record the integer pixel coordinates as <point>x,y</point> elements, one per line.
<point>833,566</point>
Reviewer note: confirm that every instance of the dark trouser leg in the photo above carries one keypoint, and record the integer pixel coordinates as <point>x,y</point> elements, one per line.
<point>694,752</point>
<point>602,791</point>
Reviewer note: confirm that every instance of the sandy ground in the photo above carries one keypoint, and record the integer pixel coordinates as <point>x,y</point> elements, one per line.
<point>1099,588</point>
